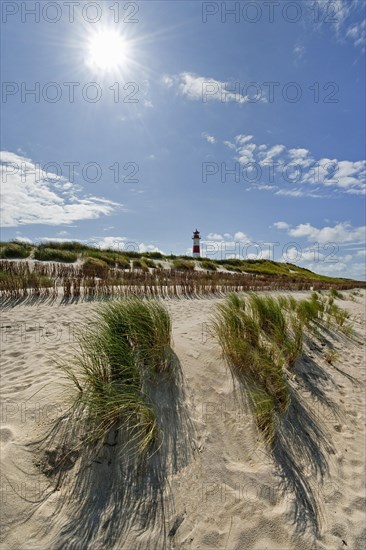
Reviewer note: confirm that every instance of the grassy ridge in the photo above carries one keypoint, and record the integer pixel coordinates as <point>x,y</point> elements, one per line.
<point>70,251</point>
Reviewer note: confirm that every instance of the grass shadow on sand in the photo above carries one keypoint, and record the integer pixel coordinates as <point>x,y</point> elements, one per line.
<point>111,497</point>
<point>300,448</point>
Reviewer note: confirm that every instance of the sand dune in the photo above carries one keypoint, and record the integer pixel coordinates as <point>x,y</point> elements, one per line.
<point>213,485</point>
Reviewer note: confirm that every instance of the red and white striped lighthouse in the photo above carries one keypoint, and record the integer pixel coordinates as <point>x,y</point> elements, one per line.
<point>196,244</point>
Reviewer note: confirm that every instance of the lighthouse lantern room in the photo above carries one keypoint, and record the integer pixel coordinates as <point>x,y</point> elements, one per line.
<point>196,244</point>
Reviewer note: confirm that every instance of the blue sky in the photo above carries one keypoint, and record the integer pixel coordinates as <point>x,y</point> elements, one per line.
<point>248,126</point>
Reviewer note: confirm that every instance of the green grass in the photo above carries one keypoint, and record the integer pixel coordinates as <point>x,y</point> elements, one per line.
<point>183,265</point>
<point>55,255</point>
<point>71,246</point>
<point>129,348</point>
<point>209,265</point>
<point>94,266</point>
<point>109,257</point>
<point>139,264</point>
<point>252,351</point>
<point>15,250</point>
<point>334,293</point>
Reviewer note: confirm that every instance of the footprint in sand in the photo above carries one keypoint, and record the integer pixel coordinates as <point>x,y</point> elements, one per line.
<point>6,435</point>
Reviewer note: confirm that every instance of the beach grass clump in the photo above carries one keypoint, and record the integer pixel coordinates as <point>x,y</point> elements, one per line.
<point>128,347</point>
<point>15,250</point>
<point>208,264</point>
<point>94,267</point>
<point>254,354</point>
<point>55,255</point>
<point>334,293</point>
<point>139,264</point>
<point>183,265</point>
<point>310,311</point>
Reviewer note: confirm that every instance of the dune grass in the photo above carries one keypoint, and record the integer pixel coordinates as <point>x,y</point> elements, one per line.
<point>55,255</point>
<point>183,265</point>
<point>262,338</point>
<point>15,250</point>
<point>128,348</point>
<point>257,342</point>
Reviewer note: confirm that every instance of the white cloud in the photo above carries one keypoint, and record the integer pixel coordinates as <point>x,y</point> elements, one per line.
<point>281,225</point>
<point>205,89</point>
<point>31,196</point>
<point>340,233</point>
<point>357,33</point>
<point>215,237</point>
<point>299,52</point>
<point>337,14</point>
<point>241,237</point>
<point>243,138</point>
<point>268,156</point>
<point>121,244</point>
<point>296,166</point>
<point>290,192</point>
<point>23,240</point>
<point>208,138</point>
<point>229,144</point>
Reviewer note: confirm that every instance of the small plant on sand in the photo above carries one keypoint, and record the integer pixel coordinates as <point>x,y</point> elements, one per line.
<point>334,293</point>
<point>331,356</point>
<point>128,349</point>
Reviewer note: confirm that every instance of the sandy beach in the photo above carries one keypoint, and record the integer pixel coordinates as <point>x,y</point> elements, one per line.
<point>213,486</point>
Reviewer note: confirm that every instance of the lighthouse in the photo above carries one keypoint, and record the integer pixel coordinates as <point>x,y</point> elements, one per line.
<point>196,244</point>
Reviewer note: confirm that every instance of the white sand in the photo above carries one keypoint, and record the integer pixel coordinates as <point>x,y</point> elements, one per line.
<point>222,493</point>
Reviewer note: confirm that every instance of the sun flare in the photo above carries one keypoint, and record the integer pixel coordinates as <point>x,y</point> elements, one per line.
<point>108,50</point>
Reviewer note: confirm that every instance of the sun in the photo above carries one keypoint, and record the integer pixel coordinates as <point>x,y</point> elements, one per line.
<point>108,50</point>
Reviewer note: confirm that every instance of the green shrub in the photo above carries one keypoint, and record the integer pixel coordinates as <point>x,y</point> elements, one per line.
<point>55,255</point>
<point>139,264</point>
<point>73,246</point>
<point>15,250</point>
<point>183,265</point>
<point>149,263</point>
<point>207,264</point>
<point>154,255</point>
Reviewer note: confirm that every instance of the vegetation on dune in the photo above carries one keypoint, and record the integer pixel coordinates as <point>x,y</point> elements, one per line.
<point>110,258</point>
<point>139,264</point>
<point>334,293</point>
<point>130,347</point>
<point>183,265</point>
<point>259,340</point>
<point>15,250</point>
<point>55,255</point>
<point>262,337</point>
<point>110,272</point>
<point>208,264</point>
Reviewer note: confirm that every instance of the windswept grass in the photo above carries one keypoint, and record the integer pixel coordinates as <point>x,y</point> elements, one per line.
<point>128,348</point>
<point>15,250</point>
<point>334,293</point>
<point>55,255</point>
<point>207,264</point>
<point>261,339</point>
<point>183,265</point>
<point>255,339</point>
